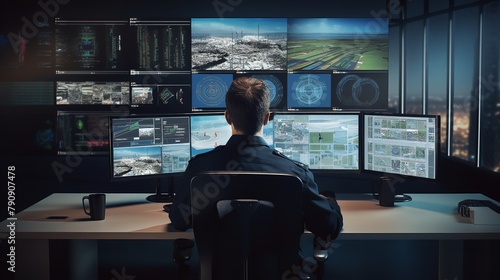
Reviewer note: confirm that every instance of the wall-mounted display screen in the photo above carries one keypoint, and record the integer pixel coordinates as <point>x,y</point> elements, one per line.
<point>92,93</point>
<point>337,44</point>
<point>309,91</point>
<point>238,44</point>
<point>209,91</point>
<point>161,45</point>
<point>360,90</point>
<point>86,46</point>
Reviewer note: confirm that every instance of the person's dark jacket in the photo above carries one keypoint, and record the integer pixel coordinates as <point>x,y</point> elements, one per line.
<point>322,216</point>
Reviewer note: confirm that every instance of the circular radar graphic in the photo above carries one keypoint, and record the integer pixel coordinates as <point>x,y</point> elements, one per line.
<point>211,90</point>
<point>355,91</point>
<point>309,90</point>
<point>275,88</point>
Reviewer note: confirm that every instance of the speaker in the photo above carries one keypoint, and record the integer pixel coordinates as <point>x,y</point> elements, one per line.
<point>386,192</point>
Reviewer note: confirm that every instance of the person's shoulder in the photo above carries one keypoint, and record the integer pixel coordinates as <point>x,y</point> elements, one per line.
<point>208,154</point>
<point>296,163</point>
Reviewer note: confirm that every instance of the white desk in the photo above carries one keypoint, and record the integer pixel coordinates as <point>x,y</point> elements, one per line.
<point>128,216</point>
<point>131,216</point>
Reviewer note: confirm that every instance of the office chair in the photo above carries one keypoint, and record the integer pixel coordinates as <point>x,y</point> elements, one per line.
<point>247,225</point>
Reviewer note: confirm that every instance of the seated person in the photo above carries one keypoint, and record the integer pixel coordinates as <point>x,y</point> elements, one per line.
<point>247,104</point>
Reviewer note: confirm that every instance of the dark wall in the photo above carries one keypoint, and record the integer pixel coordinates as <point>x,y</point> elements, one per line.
<point>159,9</point>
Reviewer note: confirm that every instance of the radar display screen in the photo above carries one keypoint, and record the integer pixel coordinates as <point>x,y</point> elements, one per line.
<point>309,91</point>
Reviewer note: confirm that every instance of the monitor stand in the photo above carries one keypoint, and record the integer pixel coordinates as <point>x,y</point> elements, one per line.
<point>388,194</point>
<point>159,197</point>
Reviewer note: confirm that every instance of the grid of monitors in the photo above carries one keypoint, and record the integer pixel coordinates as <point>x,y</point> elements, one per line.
<point>406,145</point>
<point>320,64</point>
<point>310,64</point>
<point>324,142</point>
<point>149,145</point>
<point>187,65</point>
<point>178,66</point>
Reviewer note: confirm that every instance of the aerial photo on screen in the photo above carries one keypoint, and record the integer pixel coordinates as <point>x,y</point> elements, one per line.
<point>238,43</point>
<point>91,92</point>
<point>337,44</point>
<point>136,161</point>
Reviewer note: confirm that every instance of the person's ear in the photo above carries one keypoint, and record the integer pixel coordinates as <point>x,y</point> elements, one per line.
<point>228,119</point>
<point>266,119</point>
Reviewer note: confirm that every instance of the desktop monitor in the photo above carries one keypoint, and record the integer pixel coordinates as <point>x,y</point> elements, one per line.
<point>208,131</point>
<point>326,142</point>
<point>149,147</point>
<point>401,145</point>
<point>211,130</point>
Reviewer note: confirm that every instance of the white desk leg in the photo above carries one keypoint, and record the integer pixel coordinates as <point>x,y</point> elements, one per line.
<point>32,259</point>
<point>451,257</point>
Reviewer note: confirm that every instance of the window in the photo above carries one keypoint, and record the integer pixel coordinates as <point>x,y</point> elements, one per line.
<point>448,54</point>
<point>490,94</point>
<point>413,67</point>
<point>465,43</point>
<point>437,70</point>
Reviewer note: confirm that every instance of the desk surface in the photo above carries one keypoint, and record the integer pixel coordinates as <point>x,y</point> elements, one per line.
<point>131,216</point>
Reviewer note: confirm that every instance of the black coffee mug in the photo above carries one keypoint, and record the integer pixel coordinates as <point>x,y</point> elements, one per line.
<point>386,192</point>
<point>97,206</point>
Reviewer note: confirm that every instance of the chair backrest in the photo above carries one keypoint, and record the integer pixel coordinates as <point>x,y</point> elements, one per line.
<point>247,225</point>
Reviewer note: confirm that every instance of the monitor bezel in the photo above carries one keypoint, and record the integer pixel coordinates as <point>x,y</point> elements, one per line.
<point>396,176</point>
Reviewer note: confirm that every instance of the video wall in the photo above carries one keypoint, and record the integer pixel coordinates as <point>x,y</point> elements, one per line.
<point>186,66</point>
